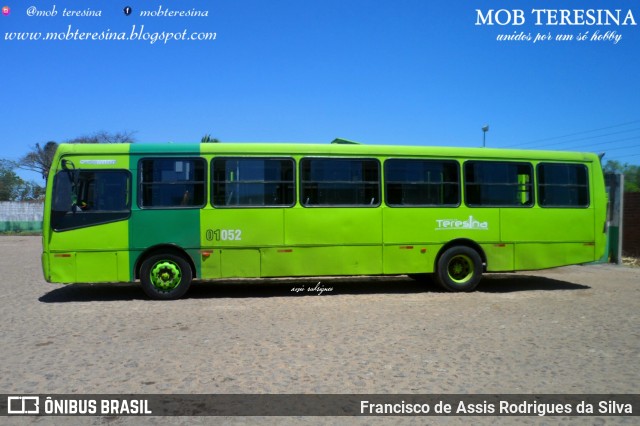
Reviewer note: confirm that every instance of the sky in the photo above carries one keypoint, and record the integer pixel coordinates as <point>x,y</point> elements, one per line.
<point>396,72</point>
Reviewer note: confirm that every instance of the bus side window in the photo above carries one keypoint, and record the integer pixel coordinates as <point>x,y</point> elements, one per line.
<point>253,182</point>
<point>333,182</point>
<point>417,182</point>
<point>498,184</point>
<point>563,185</point>
<point>172,183</point>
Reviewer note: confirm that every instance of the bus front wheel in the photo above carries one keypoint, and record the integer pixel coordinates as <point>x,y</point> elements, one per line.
<point>165,276</point>
<point>459,269</point>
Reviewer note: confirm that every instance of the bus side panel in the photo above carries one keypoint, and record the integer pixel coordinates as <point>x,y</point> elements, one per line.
<point>89,267</point>
<point>91,254</point>
<point>549,237</point>
<point>98,266</point>
<point>309,261</point>
<point>547,225</point>
<point>500,257</point>
<point>410,259</point>
<point>231,239</point>
<point>239,263</point>
<point>330,241</point>
<point>422,225</point>
<point>333,226</point>
<point>210,264</point>
<point>431,228</point>
<point>62,268</point>
<point>531,256</point>
<point>173,227</point>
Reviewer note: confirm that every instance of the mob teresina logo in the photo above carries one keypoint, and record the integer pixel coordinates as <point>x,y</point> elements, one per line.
<point>471,223</point>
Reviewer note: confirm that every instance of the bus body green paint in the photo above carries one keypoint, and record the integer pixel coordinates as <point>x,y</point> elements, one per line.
<point>177,228</point>
<point>303,239</point>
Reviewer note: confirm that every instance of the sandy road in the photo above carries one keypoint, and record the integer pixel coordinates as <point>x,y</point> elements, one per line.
<point>568,330</point>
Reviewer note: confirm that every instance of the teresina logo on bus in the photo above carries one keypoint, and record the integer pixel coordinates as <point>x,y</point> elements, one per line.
<point>470,223</point>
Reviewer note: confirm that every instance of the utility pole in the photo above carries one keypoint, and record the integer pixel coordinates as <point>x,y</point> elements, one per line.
<point>485,129</point>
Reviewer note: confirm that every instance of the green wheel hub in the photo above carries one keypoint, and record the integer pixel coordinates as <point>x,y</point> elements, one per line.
<point>460,269</point>
<point>165,275</point>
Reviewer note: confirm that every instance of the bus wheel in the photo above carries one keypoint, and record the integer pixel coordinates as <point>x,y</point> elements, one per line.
<point>459,269</point>
<point>165,276</point>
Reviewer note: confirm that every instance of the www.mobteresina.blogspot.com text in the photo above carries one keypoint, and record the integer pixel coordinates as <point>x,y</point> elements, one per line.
<point>137,33</point>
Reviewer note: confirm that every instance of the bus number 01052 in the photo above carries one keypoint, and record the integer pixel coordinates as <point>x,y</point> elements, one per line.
<point>224,234</point>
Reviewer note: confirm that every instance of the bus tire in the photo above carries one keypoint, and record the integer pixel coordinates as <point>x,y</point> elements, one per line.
<point>165,276</point>
<point>459,269</point>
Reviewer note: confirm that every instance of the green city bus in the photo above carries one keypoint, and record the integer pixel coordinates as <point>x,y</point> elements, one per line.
<point>166,214</point>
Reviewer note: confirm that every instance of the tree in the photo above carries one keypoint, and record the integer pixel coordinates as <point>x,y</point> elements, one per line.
<point>13,188</point>
<point>8,182</point>
<point>631,174</point>
<point>31,191</point>
<point>40,157</point>
<point>208,139</point>
<point>105,137</point>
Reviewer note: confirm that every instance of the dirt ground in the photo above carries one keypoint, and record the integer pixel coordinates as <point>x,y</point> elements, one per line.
<point>568,330</point>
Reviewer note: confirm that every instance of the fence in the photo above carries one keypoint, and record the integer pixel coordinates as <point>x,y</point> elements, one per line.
<point>631,226</point>
<point>16,216</point>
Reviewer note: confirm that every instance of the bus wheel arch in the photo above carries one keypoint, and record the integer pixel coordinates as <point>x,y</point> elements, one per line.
<point>459,265</point>
<point>164,248</point>
<point>165,272</point>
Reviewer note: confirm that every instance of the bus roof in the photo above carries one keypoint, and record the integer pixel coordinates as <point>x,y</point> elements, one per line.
<point>344,149</point>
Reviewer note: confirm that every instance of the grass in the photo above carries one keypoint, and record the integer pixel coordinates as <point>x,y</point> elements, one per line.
<point>634,262</point>
<point>20,233</point>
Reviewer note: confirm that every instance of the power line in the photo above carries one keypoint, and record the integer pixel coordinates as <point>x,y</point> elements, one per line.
<point>585,146</point>
<point>619,157</point>
<point>596,137</point>
<point>537,141</point>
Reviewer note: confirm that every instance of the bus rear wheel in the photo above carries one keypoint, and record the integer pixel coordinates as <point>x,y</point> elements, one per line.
<point>459,269</point>
<point>165,276</point>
